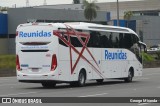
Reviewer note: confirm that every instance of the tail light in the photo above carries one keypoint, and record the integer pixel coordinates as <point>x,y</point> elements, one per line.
<point>16,33</point>
<point>54,62</point>
<point>17,63</point>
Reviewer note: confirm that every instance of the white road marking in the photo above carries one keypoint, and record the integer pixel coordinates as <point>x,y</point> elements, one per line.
<point>99,86</point>
<point>8,78</point>
<point>93,95</point>
<point>19,94</point>
<point>140,78</point>
<point>4,79</point>
<point>9,84</point>
<point>151,74</point>
<point>143,104</point>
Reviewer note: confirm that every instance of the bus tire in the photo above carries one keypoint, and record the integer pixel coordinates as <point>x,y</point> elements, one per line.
<point>48,84</point>
<point>130,76</point>
<point>81,78</point>
<point>99,80</point>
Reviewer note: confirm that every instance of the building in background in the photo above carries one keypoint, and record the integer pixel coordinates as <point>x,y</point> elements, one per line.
<point>141,8</point>
<point>112,6</point>
<point>3,24</point>
<point>148,23</point>
<point>3,33</point>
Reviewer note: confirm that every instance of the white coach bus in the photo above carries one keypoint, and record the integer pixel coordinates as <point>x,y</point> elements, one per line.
<point>50,53</point>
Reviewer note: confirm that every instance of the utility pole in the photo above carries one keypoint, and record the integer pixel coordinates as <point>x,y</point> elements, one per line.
<point>27,3</point>
<point>117,13</point>
<point>45,2</point>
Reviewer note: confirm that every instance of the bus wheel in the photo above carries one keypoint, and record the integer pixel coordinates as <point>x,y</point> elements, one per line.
<point>99,80</point>
<point>130,76</point>
<point>48,84</point>
<point>82,78</point>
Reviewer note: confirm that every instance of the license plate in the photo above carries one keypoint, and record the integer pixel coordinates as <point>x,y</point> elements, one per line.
<point>35,69</point>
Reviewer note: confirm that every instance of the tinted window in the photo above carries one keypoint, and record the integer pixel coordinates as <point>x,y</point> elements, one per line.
<point>115,40</point>
<point>121,40</point>
<point>94,40</point>
<point>102,39</point>
<point>75,42</point>
<point>128,41</point>
<point>61,42</point>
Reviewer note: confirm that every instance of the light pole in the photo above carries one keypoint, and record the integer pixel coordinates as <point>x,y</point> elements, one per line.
<point>117,13</point>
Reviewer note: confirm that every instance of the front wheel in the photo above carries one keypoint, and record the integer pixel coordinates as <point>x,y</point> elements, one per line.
<point>81,79</point>
<point>130,76</point>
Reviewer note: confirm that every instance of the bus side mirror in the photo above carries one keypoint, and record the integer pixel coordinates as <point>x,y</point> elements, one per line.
<point>143,47</point>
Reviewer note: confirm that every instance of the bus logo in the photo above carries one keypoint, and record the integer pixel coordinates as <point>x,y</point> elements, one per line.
<point>35,34</point>
<point>118,55</point>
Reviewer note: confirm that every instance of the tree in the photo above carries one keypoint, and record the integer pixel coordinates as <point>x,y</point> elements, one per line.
<point>127,16</point>
<point>3,8</point>
<point>76,1</point>
<point>90,10</point>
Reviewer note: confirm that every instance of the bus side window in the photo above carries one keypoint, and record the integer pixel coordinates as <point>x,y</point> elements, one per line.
<point>128,41</point>
<point>75,42</point>
<point>61,42</point>
<point>94,40</point>
<point>103,41</point>
<point>121,40</point>
<point>115,40</point>
<point>110,41</point>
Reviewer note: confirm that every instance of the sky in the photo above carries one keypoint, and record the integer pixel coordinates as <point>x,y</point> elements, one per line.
<point>22,3</point>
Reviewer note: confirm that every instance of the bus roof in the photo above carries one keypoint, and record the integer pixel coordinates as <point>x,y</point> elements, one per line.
<point>97,27</point>
<point>85,26</point>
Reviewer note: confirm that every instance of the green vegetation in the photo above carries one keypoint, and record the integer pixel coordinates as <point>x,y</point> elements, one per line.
<point>90,10</point>
<point>3,8</point>
<point>147,57</point>
<point>8,62</point>
<point>158,55</point>
<point>127,16</point>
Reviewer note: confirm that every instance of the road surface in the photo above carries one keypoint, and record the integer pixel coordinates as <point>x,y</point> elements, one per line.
<point>146,86</point>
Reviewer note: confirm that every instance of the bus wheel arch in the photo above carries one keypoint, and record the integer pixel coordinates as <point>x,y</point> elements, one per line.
<point>130,75</point>
<point>81,79</point>
<point>132,71</point>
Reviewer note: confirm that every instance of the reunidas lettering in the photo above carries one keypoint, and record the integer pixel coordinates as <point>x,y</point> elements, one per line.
<point>118,55</point>
<point>35,34</point>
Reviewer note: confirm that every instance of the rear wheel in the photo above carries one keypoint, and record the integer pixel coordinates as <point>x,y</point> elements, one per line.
<point>99,80</point>
<point>130,76</point>
<point>48,84</point>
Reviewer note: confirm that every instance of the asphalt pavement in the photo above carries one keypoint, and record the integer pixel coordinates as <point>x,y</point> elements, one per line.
<point>146,86</point>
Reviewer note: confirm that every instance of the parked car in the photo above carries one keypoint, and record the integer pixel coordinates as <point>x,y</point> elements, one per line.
<point>154,48</point>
